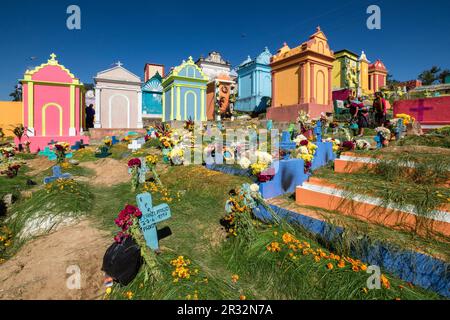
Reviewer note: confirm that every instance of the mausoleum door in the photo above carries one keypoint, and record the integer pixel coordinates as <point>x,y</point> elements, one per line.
<point>119,112</point>
<point>52,120</point>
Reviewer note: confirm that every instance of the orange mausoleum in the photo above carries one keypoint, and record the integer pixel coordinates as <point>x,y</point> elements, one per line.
<point>302,79</point>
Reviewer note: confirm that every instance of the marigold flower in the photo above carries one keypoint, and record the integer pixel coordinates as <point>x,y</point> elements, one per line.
<point>355,268</point>
<point>330,266</point>
<point>385,282</point>
<point>341,264</point>
<point>242,297</point>
<point>234,278</point>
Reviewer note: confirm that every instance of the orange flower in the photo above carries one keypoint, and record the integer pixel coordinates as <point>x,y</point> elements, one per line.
<point>341,264</point>
<point>317,258</point>
<point>234,278</point>
<point>363,267</point>
<point>355,268</point>
<point>330,266</point>
<point>242,297</point>
<point>385,282</point>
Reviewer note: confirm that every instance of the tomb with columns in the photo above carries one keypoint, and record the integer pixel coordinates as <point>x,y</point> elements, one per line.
<point>152,91</point>
<point>302,79</point>
<point>53,105</point>
<point>254,83</point>
<point>220,87</point>
<point>118,95</point>
<point>184,93</point>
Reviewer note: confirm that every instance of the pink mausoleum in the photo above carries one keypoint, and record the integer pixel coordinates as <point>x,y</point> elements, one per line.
<point>53,105</point>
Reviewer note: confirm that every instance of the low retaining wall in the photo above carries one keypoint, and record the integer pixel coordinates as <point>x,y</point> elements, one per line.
<point>417,268</point>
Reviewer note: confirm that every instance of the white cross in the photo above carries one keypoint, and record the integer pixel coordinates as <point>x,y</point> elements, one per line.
<point>135,145</point>
<point>119,64</point>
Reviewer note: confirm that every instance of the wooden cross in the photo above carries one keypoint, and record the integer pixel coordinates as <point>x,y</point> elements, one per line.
<point>114,140</point>
<point>57,175</point>
<point>150,217</point>
<point>420,109</point>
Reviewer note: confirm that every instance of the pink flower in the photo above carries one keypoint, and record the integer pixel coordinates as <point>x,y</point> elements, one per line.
<point>304,142</point>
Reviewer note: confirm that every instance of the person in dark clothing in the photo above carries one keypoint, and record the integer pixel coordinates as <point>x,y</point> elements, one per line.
<point>90,113</point>
<point>379,107</point>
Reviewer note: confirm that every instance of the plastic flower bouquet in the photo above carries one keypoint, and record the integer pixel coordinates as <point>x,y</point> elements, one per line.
<point>61,149</point>
<point>134,165</point>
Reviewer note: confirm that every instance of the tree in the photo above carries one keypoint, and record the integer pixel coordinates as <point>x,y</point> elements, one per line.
<point>391,83</point>
<point>16,95</point>
<point>444,74</point>
<point>429,77</point>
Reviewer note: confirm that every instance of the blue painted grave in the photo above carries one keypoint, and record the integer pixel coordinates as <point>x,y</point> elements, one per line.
<point>150,217</point>
<point>78,145</point>
<point>57,174</point>
<point>318,131</point>
<point>104,152</point>
<point>399,129</point>
<point>114,140</point>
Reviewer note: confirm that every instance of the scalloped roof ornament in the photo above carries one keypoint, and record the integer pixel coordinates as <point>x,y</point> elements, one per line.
<point>190,62</point>
<point>264,57</point>
<point>50,62</point>
<point>378,65</point>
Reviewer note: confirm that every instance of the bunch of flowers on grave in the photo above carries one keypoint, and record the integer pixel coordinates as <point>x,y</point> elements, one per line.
<point>134,165</point>
<point>128,222</point>
<point>189,125</point>
<point>348,146</point>
<point>240,208</point>
<point>11,170</point>
<point>27,147</point>
<point>306,124</point>
<point>61,149</point>
<point>151,161</point>
<point>8,152</point>
<point>259,163</point>
<point>306,151</point>
<point>362,144</point>
<point>68,186</point>
<point>176,155</point>
<point>6,239</point>
<point>407,119</point>
<point>335,142</point>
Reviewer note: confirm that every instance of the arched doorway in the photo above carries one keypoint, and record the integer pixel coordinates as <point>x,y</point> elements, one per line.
<point>119,112</point>
<point>52,120</point>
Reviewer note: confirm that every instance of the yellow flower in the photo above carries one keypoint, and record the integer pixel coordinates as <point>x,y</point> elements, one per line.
<point>129,295</point>
<point>317,258</point>
<point>365,290</point>
<point>108,290</point>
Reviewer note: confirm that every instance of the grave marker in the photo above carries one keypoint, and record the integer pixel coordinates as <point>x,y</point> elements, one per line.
<point>287,145</point>
<point>150,217</point>
<point>51,155</point>
<point>104,152</point>
<point>318,131</point>
<point>114,140</point>
<point>400,128</point>
<point>57,175</point>
<point>134,146</point>
<point>78,145</point>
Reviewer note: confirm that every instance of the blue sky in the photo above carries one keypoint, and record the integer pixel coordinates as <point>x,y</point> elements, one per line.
<point>414,34</point>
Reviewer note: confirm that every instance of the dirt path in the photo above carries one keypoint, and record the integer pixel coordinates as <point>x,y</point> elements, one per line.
<point>108,172</point>
<point>39,269</point>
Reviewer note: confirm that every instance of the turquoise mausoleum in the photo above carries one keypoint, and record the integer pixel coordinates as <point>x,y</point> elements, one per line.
<point>152,91</point>
<point>184,93</point>
<point>254,83</point>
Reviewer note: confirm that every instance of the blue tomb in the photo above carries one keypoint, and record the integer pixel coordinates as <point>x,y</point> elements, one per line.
<point>255,83</point>
<point>152,91</point>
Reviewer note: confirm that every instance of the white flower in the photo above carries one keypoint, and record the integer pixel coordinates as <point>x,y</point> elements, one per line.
<point>244,163</point>
<point>303,150</point>
<point>254,187</point>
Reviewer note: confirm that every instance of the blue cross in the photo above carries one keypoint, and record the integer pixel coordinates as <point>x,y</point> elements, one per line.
<point>420,109</point>
<point>287,144</point>
<point>150,217</point>
<point>379,140</point>
<point>104,152</point>
<point>48,153</point>
<point>114,140</point>
<point>78,145</point>
<point>318,131</point>
<point>57,175</point>
<point>52,142</point>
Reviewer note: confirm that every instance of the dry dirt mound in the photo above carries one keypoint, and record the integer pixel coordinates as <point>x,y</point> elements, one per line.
<point>39,269</point>
<point>108,171</point>
<point>38,165</point>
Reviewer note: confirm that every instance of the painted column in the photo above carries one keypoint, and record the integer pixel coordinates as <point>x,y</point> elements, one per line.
<point>171,103</point>
<point>72,131</point>
<point>30,86</point>
<point>329,90</point>
<point>140,125</point>
<point>302,84</point>
<point>273,89</point>
<point>311,79</point>
<point>164,106</point>
<point>202,105</point>
<point>98,120</point>
<point>179,104</point>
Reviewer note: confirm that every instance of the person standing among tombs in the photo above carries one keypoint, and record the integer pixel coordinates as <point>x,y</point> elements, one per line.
<point>90,114</point>
<point>379,107</point>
